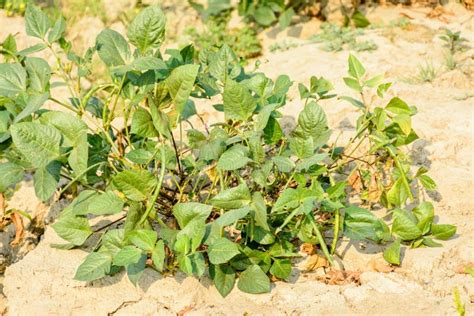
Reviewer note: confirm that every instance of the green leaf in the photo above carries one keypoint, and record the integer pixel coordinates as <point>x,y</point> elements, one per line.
<point>223,277</point>
<point>361,224</point>
<point>135,270</point>
<point>259,209</point>
<point>12,79</point>
<point>222,250</point>
<point>74,229</point>
<point>46,180</point>
<point>186,212</point>
<point>232,216</point>
<point>398,106</point>
<point>95,266</point>
<point>404,121</point>
<point>139,156</point>
<point>285,18</point>
<point>113,49</point>
<point>392,253</point>
<point>264,15</point>
<point>302,147</point>
<point>72,128</point>
<point>307,163</point>
<point>148,63</point>
<point>238,102</point>
<point>10,174</point>
<point>359,19</point>
<point>158,255</point>
<point>161,121</point>
<point>397,195</point>
<point>353,84</point>
<point>137,185</point>
<point>381,89</point>
<point>38,143</point>
<point>272,133</point>
<point>312,121</point>
<point>263,116</point>
<point>283,164</point>
<point>253,280</point>
<point>424,213</point>
<point>36,22</point>
<point>404,226</point>
<point>181,83</point>
<point>39,74</point>
<point>356,69</point>
<point>32,49</point>
<point>142,124</point>
<point>127,255</point>
<point>147,30</point>
<point>443,231</point>
<point>57,31</point>
<point>236,197</point>
<point>262,236</point>
<point>281,268</point>
<point>427,182</point>
<point>35,102</point>
<point>99,204</point>
<point>234,158</point>
<point>193,264</point>
<point>358,104</point>
<point>144,239</point>
<point>113,241</point>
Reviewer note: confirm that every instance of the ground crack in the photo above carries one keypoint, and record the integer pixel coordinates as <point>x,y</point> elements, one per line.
<point>124,304</point>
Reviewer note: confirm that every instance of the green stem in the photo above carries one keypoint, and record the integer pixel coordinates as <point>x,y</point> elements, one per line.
<point>322,243</point>
<point>402,173</point>
<point>151,205</point>
<point>63,104</point>
<point>337,217</point>
<point>79,176</point>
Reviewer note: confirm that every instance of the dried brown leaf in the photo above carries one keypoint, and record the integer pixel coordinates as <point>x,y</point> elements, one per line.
<point>314,262</point>
<point>337,277</point>
<point>185,310</point>
<point>19,228</point>
<point>307,248</point>
<point>355,181</point>
<point>374,189</point>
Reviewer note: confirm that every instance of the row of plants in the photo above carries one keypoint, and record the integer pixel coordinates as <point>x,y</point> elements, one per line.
<point>235,198</point>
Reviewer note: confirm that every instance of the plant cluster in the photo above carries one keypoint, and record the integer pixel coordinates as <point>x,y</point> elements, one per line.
<point>242,40</point>
<point>236,197</point>
<point>336,38</point>
<point>455,44</point>
<point>13,7</point>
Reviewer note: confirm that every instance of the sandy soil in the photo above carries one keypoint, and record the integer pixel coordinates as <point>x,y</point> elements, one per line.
<point>41,283</point>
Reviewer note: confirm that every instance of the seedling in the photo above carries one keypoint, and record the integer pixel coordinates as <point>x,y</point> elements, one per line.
<point>427,72</point>
<point>335,38</point>
<point>236,197</point>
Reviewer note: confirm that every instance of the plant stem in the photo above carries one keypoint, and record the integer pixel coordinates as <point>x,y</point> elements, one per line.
<point>79,176</point>
<point>151,204</point>
<point>322,243</point>
<point>337,217</point>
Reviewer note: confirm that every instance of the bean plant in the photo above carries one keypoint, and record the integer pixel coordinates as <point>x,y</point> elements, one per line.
<point>156,185</point>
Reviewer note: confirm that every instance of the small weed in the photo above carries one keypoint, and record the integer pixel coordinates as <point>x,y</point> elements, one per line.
<point>427,72</point>
<point>450,61</point>
<point>283,46</point>
<point>13,7</point>
<point>335,38</point>
<point>454,41</point>
<point>243,41</point>
<point>460,308</point>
